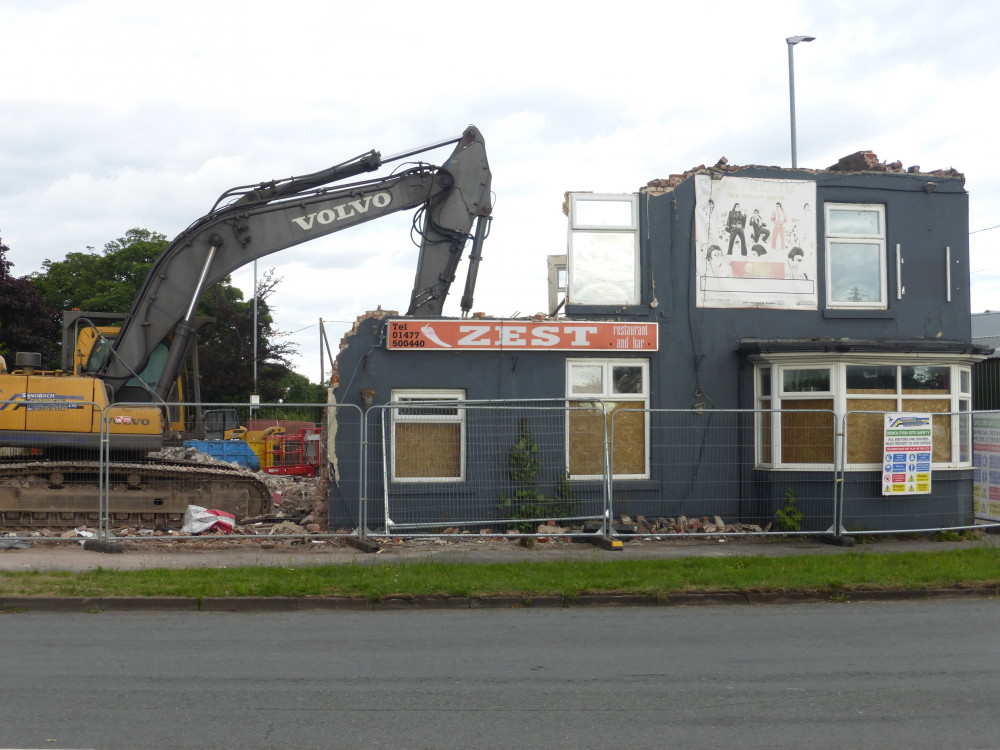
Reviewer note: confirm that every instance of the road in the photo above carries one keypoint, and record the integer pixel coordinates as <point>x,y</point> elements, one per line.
<point>878,674</point>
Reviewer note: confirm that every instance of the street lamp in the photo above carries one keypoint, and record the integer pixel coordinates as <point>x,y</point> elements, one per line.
<point>792,41</point>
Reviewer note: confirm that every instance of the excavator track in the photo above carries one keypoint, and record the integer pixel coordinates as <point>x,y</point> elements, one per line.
<point>153,493</point>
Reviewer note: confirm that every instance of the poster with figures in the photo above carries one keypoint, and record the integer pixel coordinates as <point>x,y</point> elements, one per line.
<point>986,466</point>
<point>906,463</point>
<point>755,243</point>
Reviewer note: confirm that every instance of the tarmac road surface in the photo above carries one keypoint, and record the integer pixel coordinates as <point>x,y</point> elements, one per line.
<point>907,675</point>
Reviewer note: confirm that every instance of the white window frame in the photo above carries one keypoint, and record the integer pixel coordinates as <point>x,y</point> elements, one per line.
<point>427,397</point>
<point>607,394</point>
<point>849,238</point>
<point>583,230</point>
<point>960,396</point>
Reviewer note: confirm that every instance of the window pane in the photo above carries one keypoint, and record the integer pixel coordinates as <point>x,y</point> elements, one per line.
<point>940,425</point>
<point>865,432</point>
<point>805,381</point>
<point>871,379</point>
<point>610,213</point>
<point>926,380</point>
<point>428,451</point>
<point>426,409</point>
<point>627,379</point>
<point>764,418</point>
<point>964,432</point>
<point>603,268</point>
<point>586,379</point>
<point>586,440</point>
<point>807,437</point>
<point>629,438</point>
<point>852,221</point>
<point>855,272</point>
<point>765,382</point>
<point>966,380</point>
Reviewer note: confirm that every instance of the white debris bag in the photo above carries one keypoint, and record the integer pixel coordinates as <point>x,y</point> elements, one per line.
<point>198,520</point>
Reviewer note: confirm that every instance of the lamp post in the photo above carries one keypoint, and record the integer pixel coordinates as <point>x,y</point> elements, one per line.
<point>792,41</point>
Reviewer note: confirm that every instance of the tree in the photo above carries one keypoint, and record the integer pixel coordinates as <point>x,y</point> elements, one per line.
<point>27,324</point>
<point>109,282</point>
<point>225,352</point>
<point>105,282</point>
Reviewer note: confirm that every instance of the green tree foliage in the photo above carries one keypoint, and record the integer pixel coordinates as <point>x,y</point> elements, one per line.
<point>101,282</point>
<point>225,352</point>
<point>27,324</point>
<point>109,282</point>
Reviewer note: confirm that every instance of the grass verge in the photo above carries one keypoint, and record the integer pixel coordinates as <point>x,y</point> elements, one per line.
<point>808,573</point>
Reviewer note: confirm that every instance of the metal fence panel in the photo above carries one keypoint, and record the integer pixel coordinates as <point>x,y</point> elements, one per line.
<point>432,465</point>
<point>882,493</point>
<point>726,471</point>
<point>51,470</point>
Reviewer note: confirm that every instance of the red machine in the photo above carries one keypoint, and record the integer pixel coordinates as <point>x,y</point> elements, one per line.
<point>295,454</point>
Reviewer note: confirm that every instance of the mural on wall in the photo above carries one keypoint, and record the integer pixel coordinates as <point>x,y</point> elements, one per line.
<point>755,243</point>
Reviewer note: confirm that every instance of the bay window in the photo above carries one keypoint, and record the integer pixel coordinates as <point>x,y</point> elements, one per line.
<point>796,398</point>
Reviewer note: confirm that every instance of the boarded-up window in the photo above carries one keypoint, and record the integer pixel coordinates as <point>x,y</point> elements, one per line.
<point>428,436</point>
<point>864,391</point>
<point>622,388</point>
<point>807,431</point>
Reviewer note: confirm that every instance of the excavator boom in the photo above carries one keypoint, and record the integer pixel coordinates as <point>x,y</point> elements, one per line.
<point>264,219</point>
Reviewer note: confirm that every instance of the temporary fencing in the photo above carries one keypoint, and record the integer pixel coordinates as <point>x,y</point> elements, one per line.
<point>492,466</point>
<point>442,465</point>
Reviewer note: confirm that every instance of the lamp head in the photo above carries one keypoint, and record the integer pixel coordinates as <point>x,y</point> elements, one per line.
<point>797,39</point>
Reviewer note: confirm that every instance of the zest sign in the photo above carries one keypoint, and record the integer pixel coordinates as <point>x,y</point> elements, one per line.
<point>520,335</point>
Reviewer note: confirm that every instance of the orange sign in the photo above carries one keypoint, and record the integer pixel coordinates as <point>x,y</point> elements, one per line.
<point>521,335</point>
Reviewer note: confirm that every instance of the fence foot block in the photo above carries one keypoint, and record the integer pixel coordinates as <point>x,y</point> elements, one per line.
<point>838,539</point>
<point>600,541</point>
<point>365,545</point>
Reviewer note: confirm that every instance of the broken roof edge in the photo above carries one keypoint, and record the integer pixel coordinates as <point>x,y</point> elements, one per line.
<point>857,163</point>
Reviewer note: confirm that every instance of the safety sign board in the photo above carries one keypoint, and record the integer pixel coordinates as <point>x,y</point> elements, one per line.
<point>906,461</point>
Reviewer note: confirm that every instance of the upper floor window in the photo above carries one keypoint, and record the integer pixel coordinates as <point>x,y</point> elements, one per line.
<point>855,256</point>
<point>603,262</point>
<point>557,283</point>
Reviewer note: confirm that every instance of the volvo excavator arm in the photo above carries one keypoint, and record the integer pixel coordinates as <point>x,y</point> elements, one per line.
<point>251,222</point>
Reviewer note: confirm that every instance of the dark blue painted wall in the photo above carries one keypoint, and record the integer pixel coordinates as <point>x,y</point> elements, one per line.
<point>699,364</point>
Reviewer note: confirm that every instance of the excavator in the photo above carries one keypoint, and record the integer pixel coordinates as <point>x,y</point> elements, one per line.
<point>116,403</point>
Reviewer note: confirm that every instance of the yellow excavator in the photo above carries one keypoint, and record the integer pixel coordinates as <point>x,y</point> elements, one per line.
<point>109,407</point>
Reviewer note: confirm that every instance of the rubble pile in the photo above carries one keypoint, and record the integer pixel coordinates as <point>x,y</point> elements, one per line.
<point>298,497</point>
<point>685,525</point>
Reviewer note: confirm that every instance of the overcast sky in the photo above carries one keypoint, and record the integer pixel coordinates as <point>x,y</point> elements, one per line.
<point>117,114</point>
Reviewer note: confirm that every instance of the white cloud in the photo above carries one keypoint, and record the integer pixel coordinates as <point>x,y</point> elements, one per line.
<point>117,114</point>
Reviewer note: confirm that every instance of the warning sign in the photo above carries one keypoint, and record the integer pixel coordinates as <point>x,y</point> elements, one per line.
<point>906,461</point>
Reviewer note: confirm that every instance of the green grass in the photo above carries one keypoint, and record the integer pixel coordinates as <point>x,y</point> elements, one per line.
<point>810,573</point>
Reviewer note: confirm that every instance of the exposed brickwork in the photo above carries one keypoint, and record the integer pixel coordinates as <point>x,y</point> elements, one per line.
<point>378,313</point>
<point>859,161</point>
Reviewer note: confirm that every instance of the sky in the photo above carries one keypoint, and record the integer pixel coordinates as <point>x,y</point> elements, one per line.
<point>117,114</point>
